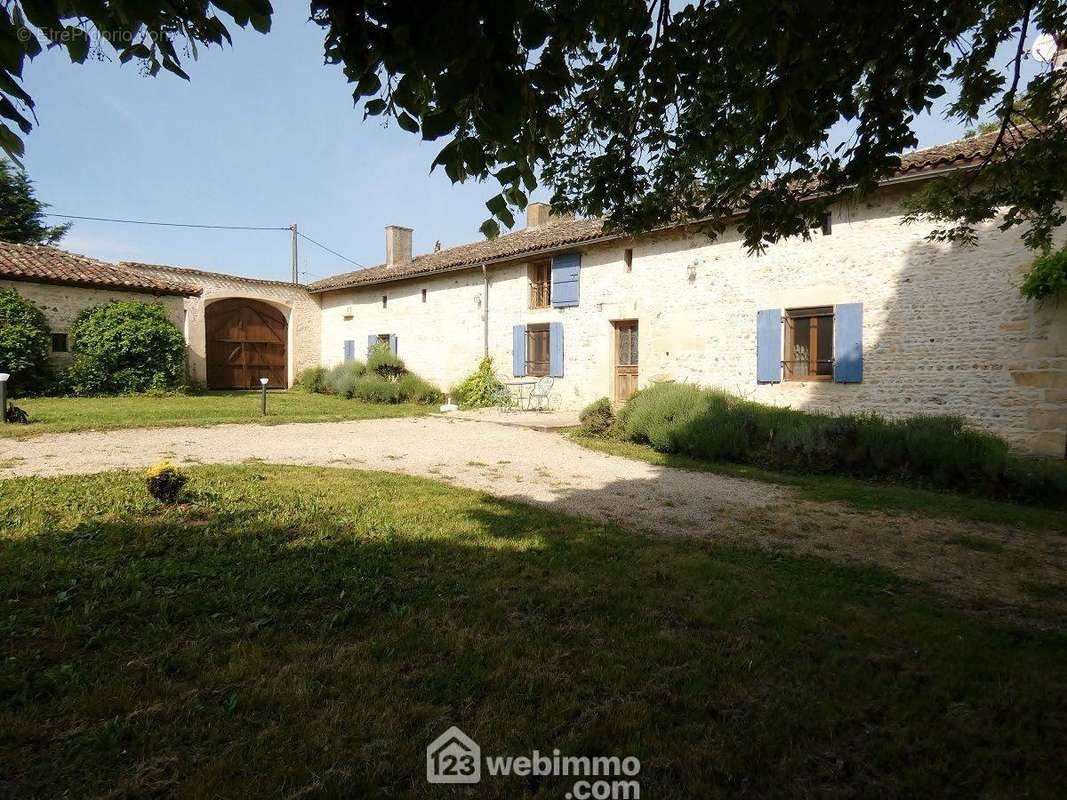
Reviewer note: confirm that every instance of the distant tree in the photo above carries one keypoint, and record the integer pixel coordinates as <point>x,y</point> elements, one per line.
<point>646,113</point>
<point>21,213</point>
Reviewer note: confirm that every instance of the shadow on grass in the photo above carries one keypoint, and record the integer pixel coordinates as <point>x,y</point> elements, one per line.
<point>306,632</point>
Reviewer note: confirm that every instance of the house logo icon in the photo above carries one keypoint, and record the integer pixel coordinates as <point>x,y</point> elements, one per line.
<point>453,757</point>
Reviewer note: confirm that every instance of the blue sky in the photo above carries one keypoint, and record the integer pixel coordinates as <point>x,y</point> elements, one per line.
<point>263,134</point>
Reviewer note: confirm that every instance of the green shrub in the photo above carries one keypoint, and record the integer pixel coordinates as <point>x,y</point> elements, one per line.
<point>375,389</point>
<point>1047,278</point>
<point>385,363</point>
<point>935,451</point>
<point>597,418</point>
<point>312,379</point>
<point>341,379</point>
<point>25,341</point>
<point>165,482</point>
<point>1034,480</point>
<point>416,389</point>
<point>125,346</point>
<point>481,388</point>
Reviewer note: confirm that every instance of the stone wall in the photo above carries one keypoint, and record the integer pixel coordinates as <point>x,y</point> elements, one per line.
<point>61,304</point>
<point>441,337</point>
<point>300,308</point>
<point>945,329</point>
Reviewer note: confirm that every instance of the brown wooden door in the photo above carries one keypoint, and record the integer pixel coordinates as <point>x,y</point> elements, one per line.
<point>246,341</point>
<point>625,377</point>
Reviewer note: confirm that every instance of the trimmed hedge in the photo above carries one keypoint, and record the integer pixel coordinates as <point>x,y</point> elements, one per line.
<point>25,342</point>
<point>125,346</point>
<point>935,451</point>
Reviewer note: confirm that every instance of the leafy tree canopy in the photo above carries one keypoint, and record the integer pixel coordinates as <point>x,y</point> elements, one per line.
<point>21,213</point>
<point>644,112</point>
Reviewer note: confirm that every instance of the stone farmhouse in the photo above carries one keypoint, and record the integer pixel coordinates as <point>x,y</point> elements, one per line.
<point>866,315</point>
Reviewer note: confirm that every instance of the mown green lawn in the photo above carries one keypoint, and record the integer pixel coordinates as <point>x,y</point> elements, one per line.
<point>873,496</point>
<point>61,414</point>
<point>306,632</point>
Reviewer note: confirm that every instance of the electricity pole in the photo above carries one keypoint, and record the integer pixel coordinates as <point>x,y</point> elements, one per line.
<point>296,269</point>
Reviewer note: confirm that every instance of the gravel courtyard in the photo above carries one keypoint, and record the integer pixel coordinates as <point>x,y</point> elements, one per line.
<point>547,469</point>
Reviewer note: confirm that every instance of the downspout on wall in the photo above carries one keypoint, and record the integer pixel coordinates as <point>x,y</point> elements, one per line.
<point>485,310</point>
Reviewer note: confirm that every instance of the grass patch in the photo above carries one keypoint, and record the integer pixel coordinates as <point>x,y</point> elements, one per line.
<point>864,495</point>
<point>63,414</point>
<point>979,544</point>
<point>1041,590</point>
<point>306,632</point>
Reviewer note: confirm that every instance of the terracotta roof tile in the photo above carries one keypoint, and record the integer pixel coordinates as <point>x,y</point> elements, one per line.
<point>42,264</point>
<point>959,153</point>
<point>196,272</point>
<point>553,235</point>
<point>561,233</point>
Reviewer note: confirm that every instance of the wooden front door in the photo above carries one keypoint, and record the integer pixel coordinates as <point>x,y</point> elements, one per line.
<point>246,341</point>
<point>625,372</point>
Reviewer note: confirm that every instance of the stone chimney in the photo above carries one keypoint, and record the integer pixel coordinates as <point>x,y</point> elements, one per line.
<point>537,214</point>
<point>397,245</point>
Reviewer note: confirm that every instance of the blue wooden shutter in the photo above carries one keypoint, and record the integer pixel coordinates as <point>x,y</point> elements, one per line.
<point>769,345</point>
<point>350,349</point>
<point>565,270</point>
<point>518,351</point>
<point>848,343</point>
<point>372,340</point>
<point>555,349</point>
<point>392,343</point>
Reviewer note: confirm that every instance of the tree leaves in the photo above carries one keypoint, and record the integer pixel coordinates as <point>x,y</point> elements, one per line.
<point>640,113</point>
<point>138,30</point>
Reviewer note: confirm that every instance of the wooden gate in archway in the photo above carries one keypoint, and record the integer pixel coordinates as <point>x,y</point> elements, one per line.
<point>246,341</point>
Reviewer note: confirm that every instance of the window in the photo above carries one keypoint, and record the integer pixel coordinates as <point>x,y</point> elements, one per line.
<point>59,342</point>
<point>809,344</point>
<point>424,295</point>
<point>385,301</point>
<point>541,284</point>
<point>537,352</point>
<point>626,337</point>
<point>386,341</point>
<point>628,258</point>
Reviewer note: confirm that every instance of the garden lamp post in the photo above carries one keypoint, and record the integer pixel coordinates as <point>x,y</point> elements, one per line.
<point>263,398</point>
<point>3,397</point>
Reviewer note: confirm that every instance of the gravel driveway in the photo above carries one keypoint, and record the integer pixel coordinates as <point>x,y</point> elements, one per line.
<point>517,463</point>
<point>547,469</point>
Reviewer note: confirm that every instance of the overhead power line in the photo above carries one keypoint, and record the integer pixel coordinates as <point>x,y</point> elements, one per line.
<point>171,224</point>
<point>210,227</point>
<point>328,250</point>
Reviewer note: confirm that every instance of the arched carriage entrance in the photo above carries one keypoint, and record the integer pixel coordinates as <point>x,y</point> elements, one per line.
<point>246,341</point>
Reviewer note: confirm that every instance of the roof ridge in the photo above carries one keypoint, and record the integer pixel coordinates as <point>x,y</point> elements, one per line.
<point>199,271</point>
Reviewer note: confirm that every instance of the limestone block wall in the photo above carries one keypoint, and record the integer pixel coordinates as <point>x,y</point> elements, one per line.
<point>945,329</point>
<point>440,335</point>
<point>301,311</point>
<point>61,304</point>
